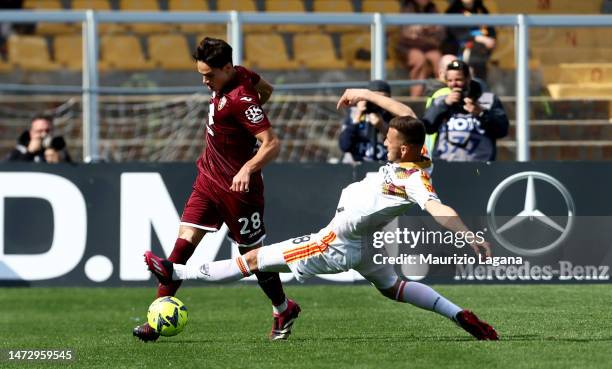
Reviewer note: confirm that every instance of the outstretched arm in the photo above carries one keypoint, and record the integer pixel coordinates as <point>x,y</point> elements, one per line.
<point>268,151</point>
<point>353,95</point>
<point>449,219</point>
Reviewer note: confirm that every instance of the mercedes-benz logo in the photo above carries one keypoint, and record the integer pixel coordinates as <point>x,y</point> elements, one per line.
<point>530,212</point>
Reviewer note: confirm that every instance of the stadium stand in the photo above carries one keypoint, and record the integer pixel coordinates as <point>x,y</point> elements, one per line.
<point>44,28</point>
<point>570,66</point>
<point>194,6</point>
<point>5,67</point>
<point>122,52</point>
<point>69,51</point>
<point>221,36</point>
<point>380,6</point>
<point>316,51</point>
<point>99,5</point>
<point>30,53</point>
<point>149,5</point>
<point>335,6</point>
<point>267,51</point>
<point>545,7</point>
<point>355,48</point>
<point>244,6</point>
<point>170,51</point>
<point>296,6</point>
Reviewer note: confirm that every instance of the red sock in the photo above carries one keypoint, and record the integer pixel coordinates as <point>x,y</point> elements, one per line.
<point>181,252</point>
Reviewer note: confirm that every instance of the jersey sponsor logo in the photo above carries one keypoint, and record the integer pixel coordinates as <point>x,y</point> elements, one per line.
<point>254,114</point>
<point>222,102</point>
<point>246,98</point>
<point>464,123</point>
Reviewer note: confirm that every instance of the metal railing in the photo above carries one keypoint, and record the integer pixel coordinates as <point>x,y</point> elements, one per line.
<point>90,19</point>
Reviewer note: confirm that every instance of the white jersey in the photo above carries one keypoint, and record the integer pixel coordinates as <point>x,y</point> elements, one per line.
<point>373,202</point>
<point>364,207</point>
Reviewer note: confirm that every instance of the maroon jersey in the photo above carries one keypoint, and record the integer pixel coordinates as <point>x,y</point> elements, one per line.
<point>235,116</point>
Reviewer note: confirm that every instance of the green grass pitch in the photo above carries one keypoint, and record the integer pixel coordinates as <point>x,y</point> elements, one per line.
<point>544,326</point>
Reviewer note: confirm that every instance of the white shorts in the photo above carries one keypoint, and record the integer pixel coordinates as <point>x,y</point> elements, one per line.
<point>326,252</point>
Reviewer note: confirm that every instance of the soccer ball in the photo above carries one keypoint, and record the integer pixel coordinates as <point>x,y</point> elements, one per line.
<point>167,315</point>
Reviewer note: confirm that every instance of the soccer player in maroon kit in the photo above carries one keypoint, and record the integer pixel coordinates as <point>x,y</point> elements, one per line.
<point>229,186</point>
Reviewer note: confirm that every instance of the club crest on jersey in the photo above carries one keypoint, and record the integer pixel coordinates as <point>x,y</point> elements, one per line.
<point>222,102</point>
<point>254,114</point>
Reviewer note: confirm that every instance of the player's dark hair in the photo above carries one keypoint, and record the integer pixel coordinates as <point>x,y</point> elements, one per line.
<point>412,129</point>
<point>461,66</point>
<point>214,52</point>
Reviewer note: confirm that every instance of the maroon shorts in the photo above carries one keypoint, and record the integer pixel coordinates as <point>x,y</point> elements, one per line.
<point>209,207</point>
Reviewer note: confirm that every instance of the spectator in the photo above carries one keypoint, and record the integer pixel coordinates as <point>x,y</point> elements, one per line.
<point>472,44</point>
<point>365,127</point>
<point>435,84</point>
<point>434,88</point>
<point>419,46</point>
<point>31,144</point>
<point>468,121</point>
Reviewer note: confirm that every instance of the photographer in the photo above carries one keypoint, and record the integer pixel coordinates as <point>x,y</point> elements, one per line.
<point>468,121</point>
<point>33,143</point>
<point>365,127</point>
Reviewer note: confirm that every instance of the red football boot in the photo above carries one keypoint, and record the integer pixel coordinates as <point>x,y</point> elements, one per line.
<point>161,268</point>
<point>476,327</point>
<point>145,333</point>
<point>282,323</point>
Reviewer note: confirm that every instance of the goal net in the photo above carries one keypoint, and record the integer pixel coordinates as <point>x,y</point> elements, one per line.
<point>163,129</point>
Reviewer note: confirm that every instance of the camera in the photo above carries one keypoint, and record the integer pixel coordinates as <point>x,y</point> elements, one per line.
<point>473,91</point>
<point>372,108</point>
<point>57,143</point>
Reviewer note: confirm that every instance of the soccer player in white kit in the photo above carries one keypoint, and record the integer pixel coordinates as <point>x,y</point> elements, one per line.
<point>364,207</point>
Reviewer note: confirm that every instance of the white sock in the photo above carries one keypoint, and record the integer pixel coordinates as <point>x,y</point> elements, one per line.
<point>426,298</point>
<point>217,271</point>
<point>280,308</point>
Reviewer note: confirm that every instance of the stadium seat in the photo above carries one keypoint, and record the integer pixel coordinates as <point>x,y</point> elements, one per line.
<point>30,53</point>
<point>145,5</point>
<point>556,55</point>
<point>316,51</point>
<point>380,6</point>
<point>355,49</point>
<point>69,51</point>
<point>122,52</point>
<point>42,4</point>
<point>549,7</point>
<point>5,67</point>
<point>220,36</point>
<point>290,6</point>
<point>171,52</point>
<point>267,51</point>
<point>580,90</point>
<point>45,28</point>
<point>244,6</point>
<point>503,54</point>
<point>578,73</point>
<point>336,6</point>
<point>442,5</point>
<point>99,5</point>
<point>194,6</point>
<point>295,6</point>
